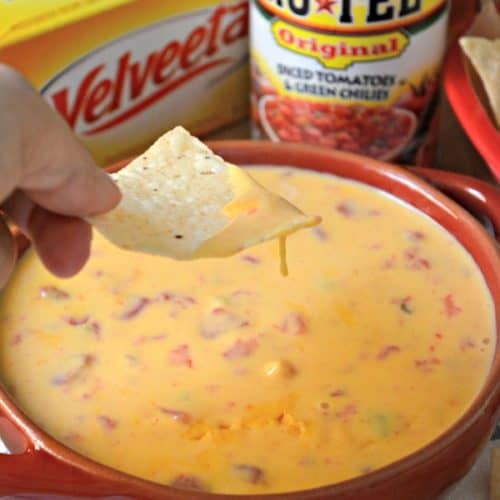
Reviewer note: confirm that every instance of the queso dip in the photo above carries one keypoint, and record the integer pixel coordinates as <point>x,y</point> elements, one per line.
<point>222,375</point>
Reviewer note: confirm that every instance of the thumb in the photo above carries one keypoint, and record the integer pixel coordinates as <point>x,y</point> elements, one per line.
<point>57,172</point>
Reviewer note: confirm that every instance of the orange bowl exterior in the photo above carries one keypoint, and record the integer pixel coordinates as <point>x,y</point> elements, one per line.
<point>44,467</point>
<point>469,109</point>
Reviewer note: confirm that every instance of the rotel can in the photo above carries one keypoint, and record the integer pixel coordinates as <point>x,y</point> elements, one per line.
<point>355,75</point>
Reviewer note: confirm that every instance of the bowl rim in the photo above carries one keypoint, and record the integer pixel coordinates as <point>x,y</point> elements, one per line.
<point>488,399</point>
<point>470,110</point>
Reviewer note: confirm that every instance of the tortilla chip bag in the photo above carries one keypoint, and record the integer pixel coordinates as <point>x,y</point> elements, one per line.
<point>182,201</point>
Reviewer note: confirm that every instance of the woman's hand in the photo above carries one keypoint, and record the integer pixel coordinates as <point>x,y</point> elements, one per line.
<point>48,180</point>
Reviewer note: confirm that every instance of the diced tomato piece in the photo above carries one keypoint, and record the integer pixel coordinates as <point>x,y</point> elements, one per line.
<point>427,365</point>
<point>177,415</point>
<point>450,307</point>
<point>320,233</point>
<point>137,307</point>
<point>241,349</point>
<point>387,350</point>
<point>73,368</point>
<point>293,324</point>
<point>107,423</point>
<point>188,482</point>
<point>76,320</point>
<point>53,293</point>
<point>347,412</point>
<point>181,356</point>
<point>220,321</point>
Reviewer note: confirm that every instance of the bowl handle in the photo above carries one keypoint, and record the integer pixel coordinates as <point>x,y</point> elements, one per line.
<point>30,470</point>
<point>478,197</point>
<point>37,472</point>
<point>33,472</point>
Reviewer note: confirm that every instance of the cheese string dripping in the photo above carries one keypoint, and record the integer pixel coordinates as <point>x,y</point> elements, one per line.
<point>283,262</point>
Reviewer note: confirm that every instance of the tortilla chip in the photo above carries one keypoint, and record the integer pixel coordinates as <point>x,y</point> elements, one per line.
<point>485,57</point>
<point>180,200</point>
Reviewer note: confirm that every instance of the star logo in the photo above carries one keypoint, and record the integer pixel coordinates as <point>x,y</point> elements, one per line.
<point>325,5</point>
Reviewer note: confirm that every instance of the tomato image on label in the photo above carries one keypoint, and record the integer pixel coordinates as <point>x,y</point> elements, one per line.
<point>359,76</point>
<point>379,132</point>
<point>418,96</point>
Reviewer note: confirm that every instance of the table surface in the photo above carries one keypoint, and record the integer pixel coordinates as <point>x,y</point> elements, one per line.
<point>455,151</point>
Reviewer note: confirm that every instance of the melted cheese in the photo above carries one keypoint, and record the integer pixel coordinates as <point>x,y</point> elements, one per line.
<point>222,375</point>
<point>256,215</point>
<point>283,261</point>
<point>182,201</point>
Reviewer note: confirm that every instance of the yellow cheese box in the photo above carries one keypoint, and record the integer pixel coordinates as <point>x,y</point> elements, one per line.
<point>122,72</point>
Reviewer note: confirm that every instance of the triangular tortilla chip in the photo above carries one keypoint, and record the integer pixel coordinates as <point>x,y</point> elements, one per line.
<point>485,57</point>
<point>182,201</point>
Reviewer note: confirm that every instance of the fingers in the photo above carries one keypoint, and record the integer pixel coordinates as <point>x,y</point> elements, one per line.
<point>44,158</point>
<point>19,207</point>
<point>7,253</point>
<point>78,189</point>
<point>59,174</point>
<point>62,242</point>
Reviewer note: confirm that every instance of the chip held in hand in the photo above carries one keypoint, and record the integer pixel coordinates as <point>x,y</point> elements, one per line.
<point>182,201</point>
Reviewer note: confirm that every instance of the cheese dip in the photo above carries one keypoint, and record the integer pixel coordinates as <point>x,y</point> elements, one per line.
<point>224,376</point>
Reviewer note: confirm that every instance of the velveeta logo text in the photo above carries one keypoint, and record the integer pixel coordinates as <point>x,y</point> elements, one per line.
<point>339,52</point>
<point>116,83</point>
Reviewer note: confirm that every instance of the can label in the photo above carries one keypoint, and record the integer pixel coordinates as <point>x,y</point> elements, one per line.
<point>356,75</point>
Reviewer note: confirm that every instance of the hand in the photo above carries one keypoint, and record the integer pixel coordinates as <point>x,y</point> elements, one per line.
<point>48,180</point>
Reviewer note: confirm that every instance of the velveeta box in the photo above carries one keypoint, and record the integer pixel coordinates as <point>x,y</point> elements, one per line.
<point>122,72</point>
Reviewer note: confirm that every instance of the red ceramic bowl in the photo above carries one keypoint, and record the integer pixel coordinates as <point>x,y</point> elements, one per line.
<point>43,466</point>
<point>469,109</point>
